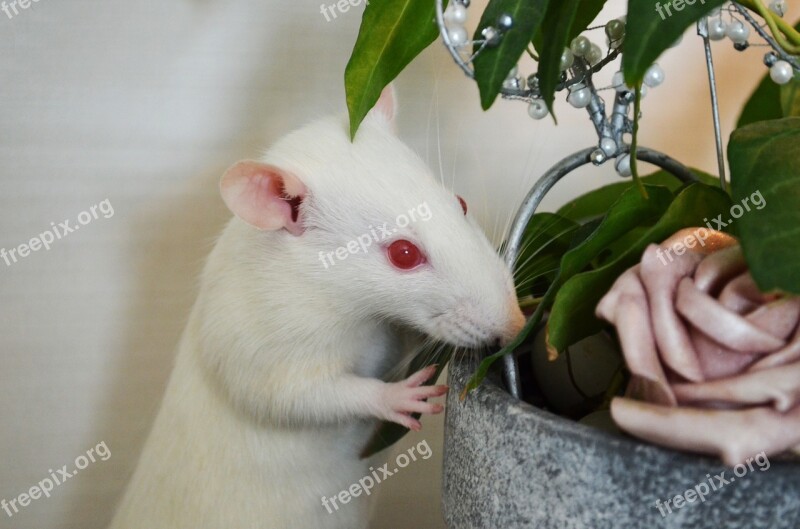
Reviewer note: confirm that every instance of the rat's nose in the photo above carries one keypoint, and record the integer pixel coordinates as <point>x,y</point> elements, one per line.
<point>514,324</point>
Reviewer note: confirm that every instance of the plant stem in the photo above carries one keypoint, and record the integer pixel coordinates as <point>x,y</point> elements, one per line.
<point>529,302</point>
<point>637,106</point>
<point>783,32</point>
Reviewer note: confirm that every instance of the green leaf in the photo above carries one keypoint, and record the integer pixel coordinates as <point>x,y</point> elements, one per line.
<point>764,104</point>
<point>597,202</point>
<point>790,98</point>
<point>392,34</point>
<point>649,33</point>
<point>764,159</point>
<point>493,64</point>
<point>558,26</point>
<point>621,245</point>
<point>388,433</point>
<point>587,12</point>
<point>626,214</point>
<point>572,315</point>
<point>629,211</point>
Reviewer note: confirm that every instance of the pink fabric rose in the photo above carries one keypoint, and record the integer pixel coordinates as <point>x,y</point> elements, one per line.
<point>714,362</point>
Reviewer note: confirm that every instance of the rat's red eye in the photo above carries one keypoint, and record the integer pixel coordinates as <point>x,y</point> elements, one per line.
<point>463,203</point>
<point>404,254</point>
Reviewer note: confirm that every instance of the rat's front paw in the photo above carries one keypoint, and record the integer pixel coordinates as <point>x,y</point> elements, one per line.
<point>401,399</point>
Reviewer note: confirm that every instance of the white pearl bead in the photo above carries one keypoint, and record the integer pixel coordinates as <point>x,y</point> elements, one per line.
<point>580,46</point>
<point>609,146</point>
<point>618,82</point>
<point>595,54</point>
<point>598,157</point>
<point>491,36</point>
<point>717,29</point>
<point>455,14</point>
<point>654,76</point>
<point>781,72</point>
<point>537,109</point>
<point>738,32</point>
<point>778,7</point>
<point>623,165</point>
<point>458,35</point>
<point>579,97</point>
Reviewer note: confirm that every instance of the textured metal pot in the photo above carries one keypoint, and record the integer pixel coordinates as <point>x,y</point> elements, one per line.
<point>509,465</point>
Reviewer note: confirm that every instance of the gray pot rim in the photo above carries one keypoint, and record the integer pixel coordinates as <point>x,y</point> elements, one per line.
<point>492,389</point>
<point>509,464</point>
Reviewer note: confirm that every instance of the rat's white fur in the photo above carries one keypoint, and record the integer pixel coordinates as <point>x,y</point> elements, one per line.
<point>277,384</point>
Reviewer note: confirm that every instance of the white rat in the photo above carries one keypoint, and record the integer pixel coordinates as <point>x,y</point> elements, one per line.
<point>277,386</point>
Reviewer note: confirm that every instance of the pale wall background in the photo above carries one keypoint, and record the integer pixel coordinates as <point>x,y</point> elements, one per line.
<point>145,104</point>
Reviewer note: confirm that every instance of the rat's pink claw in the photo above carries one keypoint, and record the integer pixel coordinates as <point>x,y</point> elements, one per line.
<point>405,420</point>
<point>422,376</point>
<point>401,399</point>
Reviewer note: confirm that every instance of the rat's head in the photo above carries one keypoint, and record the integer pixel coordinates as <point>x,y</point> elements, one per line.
<point>366,224</point>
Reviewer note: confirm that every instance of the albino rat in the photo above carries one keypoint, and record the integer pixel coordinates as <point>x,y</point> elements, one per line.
<point>276,386</point>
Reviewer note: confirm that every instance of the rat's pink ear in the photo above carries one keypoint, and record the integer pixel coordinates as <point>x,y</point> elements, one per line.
<point>386,107</point>
<point>263,196</point>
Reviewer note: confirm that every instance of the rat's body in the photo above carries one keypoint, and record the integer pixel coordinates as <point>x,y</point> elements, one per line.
<point>277,387</point>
